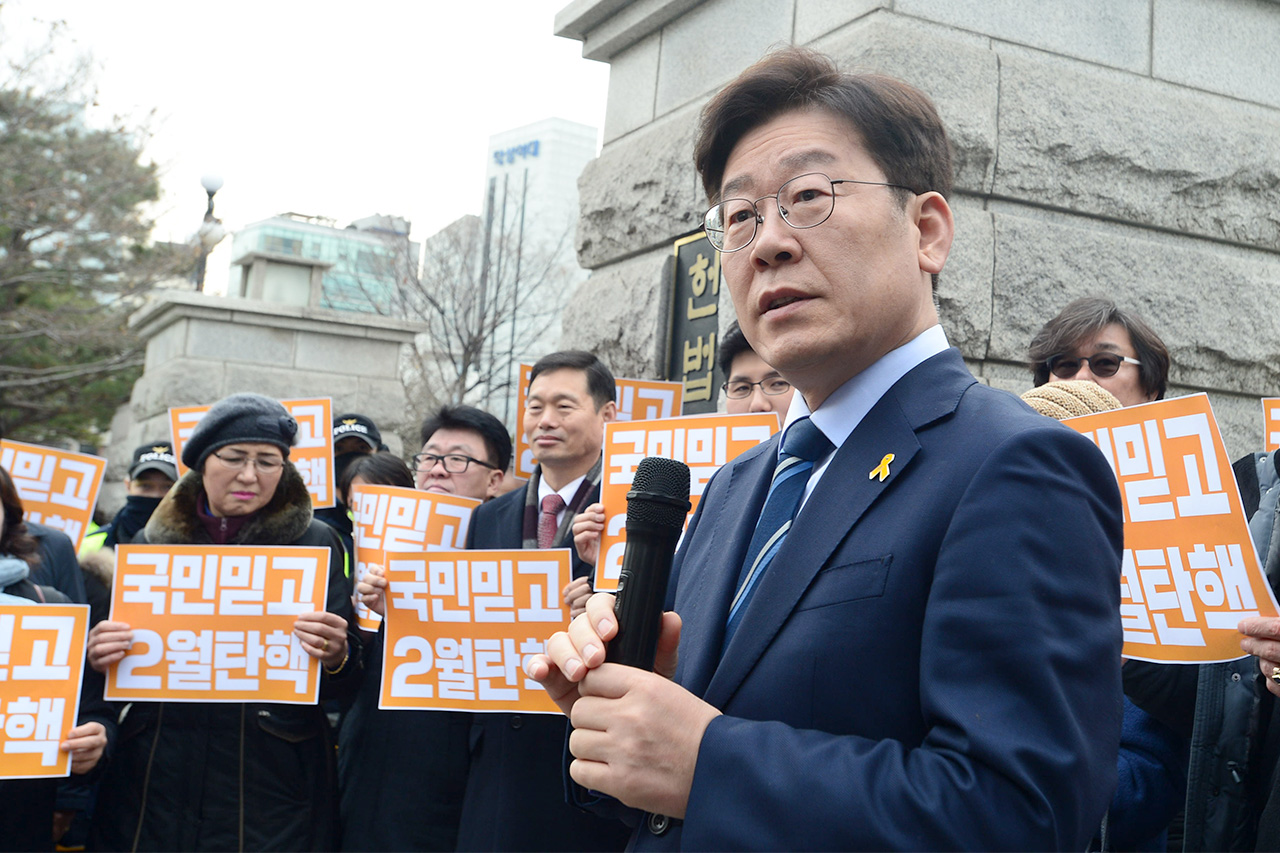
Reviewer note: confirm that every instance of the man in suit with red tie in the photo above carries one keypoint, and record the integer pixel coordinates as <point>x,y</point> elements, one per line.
<point>898,623</point>
<point>515,791</point>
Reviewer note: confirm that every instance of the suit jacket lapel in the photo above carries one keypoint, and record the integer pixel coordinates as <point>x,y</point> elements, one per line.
<point>840,499</point>
<point>708,577</point>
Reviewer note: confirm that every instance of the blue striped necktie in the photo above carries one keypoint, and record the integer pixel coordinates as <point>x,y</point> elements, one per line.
<point>804,444</point>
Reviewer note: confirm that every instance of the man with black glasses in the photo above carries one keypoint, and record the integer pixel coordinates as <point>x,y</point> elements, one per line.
<point>465,452</point>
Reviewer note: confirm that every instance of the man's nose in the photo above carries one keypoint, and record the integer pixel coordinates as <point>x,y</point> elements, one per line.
<point>775,240</point>
<point>759,403</point>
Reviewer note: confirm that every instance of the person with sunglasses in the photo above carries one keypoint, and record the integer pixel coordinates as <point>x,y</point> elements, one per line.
<point>1095,340</point>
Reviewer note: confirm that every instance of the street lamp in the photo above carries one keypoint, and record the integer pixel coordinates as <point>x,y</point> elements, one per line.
<point>211,230</point>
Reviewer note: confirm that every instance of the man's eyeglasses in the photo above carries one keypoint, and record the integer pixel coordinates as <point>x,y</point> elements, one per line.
<point>1101,364</point>
<point>804,202</point>
<point>454,463</point>
<point>264,464</point>
<point>741,390</point>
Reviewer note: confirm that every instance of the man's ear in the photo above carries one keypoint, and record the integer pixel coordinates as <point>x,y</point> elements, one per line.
<point>609,411</point>
<point>495,480</point>
<point>937,229</point>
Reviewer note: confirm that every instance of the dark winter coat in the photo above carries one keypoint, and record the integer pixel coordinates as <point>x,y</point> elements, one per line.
<point>402,773</point>
<point>230,776</point>
<point>27,805</point>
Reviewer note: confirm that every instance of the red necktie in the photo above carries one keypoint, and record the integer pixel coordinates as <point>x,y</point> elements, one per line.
<point>551,506</point>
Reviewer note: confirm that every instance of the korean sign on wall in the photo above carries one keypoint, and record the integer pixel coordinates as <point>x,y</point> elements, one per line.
<point>1189,572</point>
<point>214,623</point>
<point>461,625</point>
<point>392,519</point>
<point>41,663</point>
<point>1271,423</point>
<point>312,455</point>
<point>637,400</point>
<point>703,442</point>
<point>695,321</point>
<point>57,487</point>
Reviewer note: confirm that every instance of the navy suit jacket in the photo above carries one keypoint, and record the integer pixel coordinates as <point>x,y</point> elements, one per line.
<point>930,662</point>
<point>515,796</point>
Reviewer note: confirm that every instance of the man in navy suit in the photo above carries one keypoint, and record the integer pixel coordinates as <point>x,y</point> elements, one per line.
<point>515,789</point>
<point>924,655</point>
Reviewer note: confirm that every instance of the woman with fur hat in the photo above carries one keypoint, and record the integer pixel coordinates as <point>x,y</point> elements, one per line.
<point>225,776</point>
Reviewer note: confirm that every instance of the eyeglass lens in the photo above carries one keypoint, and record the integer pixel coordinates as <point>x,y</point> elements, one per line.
<point>771,387</point>
<point>452,464</point>
<point>1103,364</point>
<point>804,202</point>
<point>264,464</point>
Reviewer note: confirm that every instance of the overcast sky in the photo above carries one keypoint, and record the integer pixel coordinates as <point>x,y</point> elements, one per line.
<point>325,107</point>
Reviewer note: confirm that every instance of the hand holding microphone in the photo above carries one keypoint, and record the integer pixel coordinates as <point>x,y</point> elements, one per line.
<point>630,623</point>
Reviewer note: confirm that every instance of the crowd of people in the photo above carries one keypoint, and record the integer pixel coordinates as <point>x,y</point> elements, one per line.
<point>923,657</point>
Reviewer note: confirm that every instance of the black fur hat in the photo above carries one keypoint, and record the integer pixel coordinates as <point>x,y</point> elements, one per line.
<point>240,418</point>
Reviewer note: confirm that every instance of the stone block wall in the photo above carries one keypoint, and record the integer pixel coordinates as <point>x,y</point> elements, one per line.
<point>1129,148</point>
<point>200,348</point>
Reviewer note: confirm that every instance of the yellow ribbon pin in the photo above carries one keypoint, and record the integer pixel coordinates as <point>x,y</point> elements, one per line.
<point>882,469</point>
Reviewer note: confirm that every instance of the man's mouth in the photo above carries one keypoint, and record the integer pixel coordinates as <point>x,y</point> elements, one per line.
<point>781,301</point>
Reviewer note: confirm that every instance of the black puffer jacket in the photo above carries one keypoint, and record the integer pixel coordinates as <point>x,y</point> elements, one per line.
<point>206,776</point>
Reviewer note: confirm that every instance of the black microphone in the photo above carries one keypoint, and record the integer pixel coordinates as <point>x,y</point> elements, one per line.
<point>656,508</point>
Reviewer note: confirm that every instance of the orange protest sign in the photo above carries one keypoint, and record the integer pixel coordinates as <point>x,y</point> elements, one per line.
<point>461,625</point>
<point>398,520</point>
<point>214,623</point>
<point>637,400</point>
<point>312,455</point>
<point>1189,572</point>
<point>41,662</point>
<point>58,488</point>
<point>1271,423</point>
<point>703,442</point>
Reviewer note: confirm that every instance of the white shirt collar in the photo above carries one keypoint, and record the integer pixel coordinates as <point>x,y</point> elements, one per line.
<point>567,492</point>
<point>841,413</point>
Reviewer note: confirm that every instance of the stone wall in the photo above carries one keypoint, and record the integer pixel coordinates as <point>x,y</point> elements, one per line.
<point>200,348</point>
<point>1129,148</point>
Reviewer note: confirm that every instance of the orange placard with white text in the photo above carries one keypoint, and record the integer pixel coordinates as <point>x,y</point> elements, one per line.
<point>703,442</point>
<point>1271,423</point>
<point>637,400</point>
<point>312,455</point>
<point>461,624</point>
<point>58,488</point>
<point>393,519</point>
<point>41,663</point>
<point>1189,572</point>
<point>214,623</point>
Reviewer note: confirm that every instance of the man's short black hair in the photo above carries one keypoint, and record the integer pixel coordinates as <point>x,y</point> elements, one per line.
<point>497,442</point>
<point>732,344</point>
<point>600,384</point>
